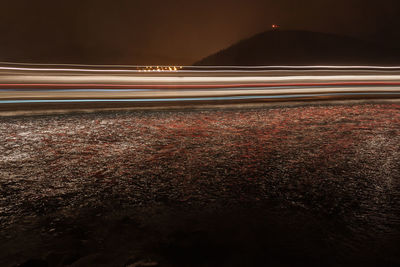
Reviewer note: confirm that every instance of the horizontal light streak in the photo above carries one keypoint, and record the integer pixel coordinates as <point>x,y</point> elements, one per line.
<point>221,98</point>
<point>190,90</point>
<point>191,86</point>
<point>74,90</point>
<point>194,79</point>
<point>267,67</point>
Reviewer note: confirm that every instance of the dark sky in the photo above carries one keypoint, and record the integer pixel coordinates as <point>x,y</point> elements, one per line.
<point>173,31</point>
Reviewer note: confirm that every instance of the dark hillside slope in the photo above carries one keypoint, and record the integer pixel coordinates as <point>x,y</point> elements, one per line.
<point>302,48</point>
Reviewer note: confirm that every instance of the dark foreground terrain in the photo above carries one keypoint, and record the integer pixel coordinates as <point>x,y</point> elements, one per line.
<point>272,186</point>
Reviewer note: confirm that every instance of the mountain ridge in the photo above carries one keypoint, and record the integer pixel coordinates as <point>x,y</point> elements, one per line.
<point>290,47</point>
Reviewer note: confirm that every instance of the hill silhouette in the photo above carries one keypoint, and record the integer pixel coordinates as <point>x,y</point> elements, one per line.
<point>303,48</point>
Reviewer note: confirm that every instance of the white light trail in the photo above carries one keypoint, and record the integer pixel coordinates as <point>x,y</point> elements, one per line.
<point>189,79</point>
<point>125,68</point>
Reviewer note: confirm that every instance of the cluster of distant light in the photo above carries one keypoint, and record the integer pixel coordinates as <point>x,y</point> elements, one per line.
<point>159,69</point>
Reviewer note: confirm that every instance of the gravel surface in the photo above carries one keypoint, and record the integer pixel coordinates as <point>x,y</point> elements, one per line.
<point>315,184</point>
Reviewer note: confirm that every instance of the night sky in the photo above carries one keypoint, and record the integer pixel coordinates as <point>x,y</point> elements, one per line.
<point>173,31</point>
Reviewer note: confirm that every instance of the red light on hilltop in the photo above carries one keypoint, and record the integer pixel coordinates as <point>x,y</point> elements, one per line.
<point>275,26</point>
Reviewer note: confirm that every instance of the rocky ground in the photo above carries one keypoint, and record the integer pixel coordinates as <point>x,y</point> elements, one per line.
<point>279,186</point>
